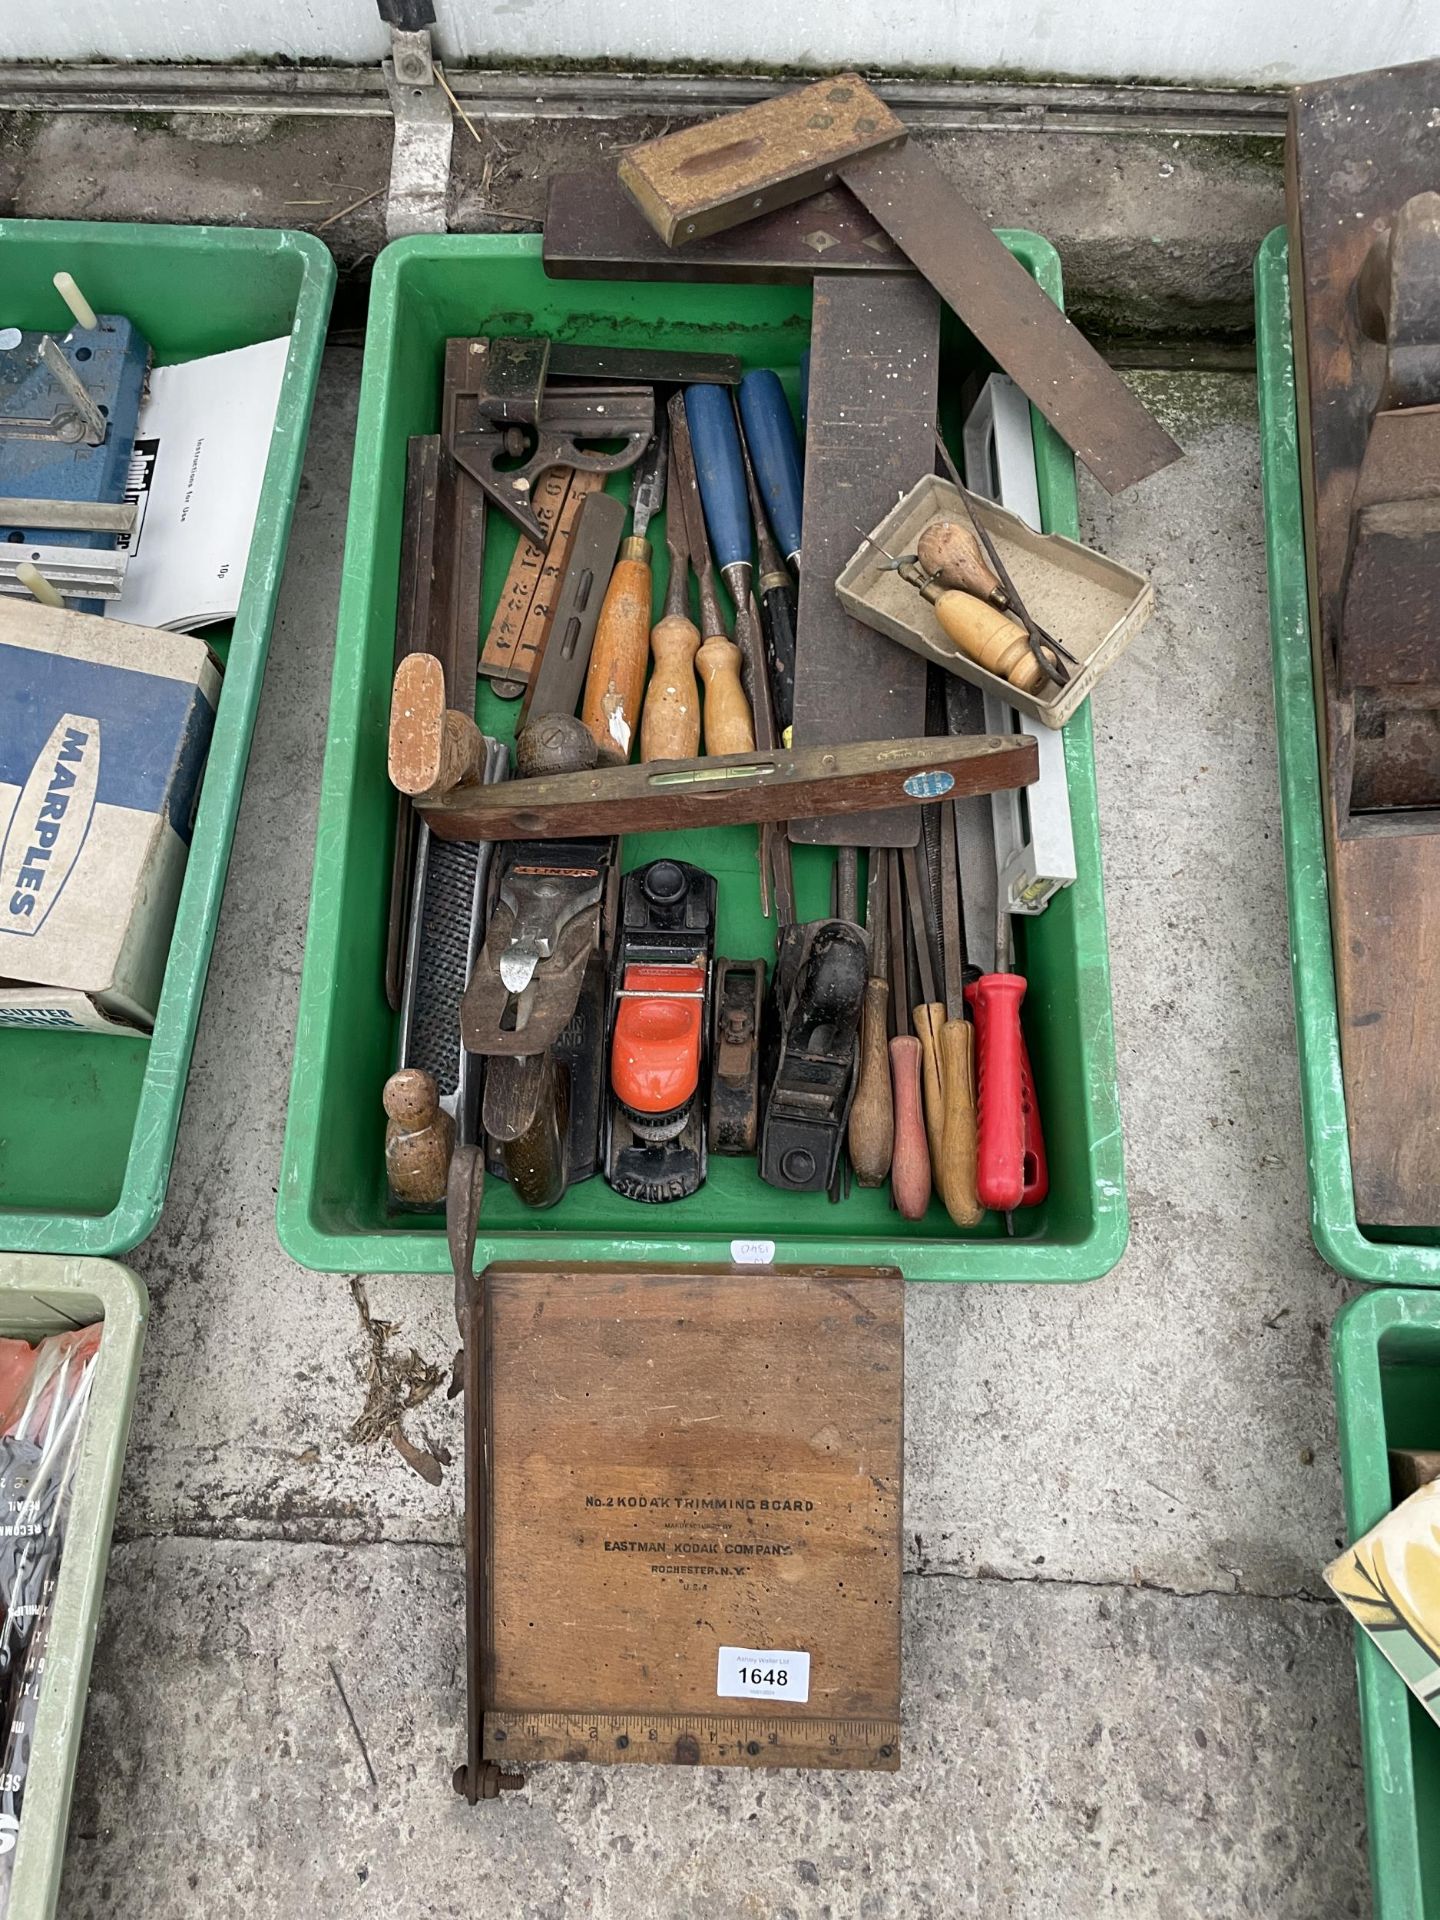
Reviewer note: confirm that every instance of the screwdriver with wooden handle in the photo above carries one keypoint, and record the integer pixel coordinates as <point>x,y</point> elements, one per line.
<point>670,723</point>
<point>720,471</point>
<point>715,444</point>
<point>616,680</point>
<point>779,463</point>
<point>929,1011</point>
<point>910,1157</point>
<point>728,727</point>
<point>872,1116</point>
<point>778,611</point>
<point>956,1045</point>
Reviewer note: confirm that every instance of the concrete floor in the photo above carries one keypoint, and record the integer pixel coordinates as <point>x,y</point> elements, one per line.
<point>1125,1690</point>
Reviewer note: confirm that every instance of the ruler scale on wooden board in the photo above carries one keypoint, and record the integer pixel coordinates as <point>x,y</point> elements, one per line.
<point>688,1549</point>
<point>1362,166</point>
<point>677,1739</point>
<point>528,597</point>
<point>874,376</point>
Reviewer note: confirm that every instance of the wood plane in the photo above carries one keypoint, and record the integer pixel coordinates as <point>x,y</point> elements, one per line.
<point>1363,161</point>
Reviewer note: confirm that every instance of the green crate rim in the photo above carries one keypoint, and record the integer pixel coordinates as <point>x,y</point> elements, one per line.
<point>157,1118</point>
<point>55,1748</point>
<point>1333,1223</point>
<point>1385,1710</point>
<point>1088,1258</point>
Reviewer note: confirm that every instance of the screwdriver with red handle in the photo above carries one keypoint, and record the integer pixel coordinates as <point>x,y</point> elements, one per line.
<point>1011,1169</point>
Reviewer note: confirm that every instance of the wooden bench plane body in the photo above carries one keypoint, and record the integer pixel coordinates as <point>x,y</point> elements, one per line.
<point>1363,165</point>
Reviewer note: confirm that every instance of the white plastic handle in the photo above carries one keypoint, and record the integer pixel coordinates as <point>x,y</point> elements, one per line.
<point>29,575</point>
<point>75,300</point>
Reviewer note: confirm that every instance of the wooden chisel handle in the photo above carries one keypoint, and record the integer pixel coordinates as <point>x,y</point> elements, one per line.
<point>990,638</point>
<point>670,724</point>
<point>910,1161</point>
<point>928,1022</point>
<point>872,1117</point>
<point>616,680</point>
<point>728,726</point>
<point>432,748</point>
<point>955,1169</point>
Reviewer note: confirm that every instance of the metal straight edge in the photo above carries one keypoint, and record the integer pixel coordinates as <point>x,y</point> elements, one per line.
<point>419,190</point>
<point>76,516</point>
<point>1034,844</point>
<point>501,94</point>
<point>88,573</point>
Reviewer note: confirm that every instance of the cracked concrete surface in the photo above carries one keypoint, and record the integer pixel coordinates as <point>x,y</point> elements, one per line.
<point>1124,1692</point>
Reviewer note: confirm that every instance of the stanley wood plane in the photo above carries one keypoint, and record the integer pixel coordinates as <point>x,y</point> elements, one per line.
<point>1364,216</point>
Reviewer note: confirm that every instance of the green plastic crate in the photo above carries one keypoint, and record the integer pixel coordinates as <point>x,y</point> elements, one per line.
<point>88,1124</point>
<point>332,1211</point>
<point>39,1296</point>
<point>1385,1351</point>
<point>1378,1255</point>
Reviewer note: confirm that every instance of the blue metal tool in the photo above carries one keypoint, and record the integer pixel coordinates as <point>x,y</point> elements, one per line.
<point>68,411</point>
<point>715,440</point>
<point>775,453</point>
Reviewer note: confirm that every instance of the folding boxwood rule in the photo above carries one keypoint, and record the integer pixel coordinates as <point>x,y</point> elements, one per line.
<point>333,1211</point>
<point>90,1119</point>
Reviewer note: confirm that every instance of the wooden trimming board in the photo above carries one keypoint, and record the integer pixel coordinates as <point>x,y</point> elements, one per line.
<point>681,1462</point>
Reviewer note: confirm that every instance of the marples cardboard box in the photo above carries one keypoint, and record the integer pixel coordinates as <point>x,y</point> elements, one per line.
<point>104,729</point>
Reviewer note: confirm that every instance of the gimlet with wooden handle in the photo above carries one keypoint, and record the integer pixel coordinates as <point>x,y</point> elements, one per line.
<point>952,556</point>
<point>670,723</point>
<point>616,680</point>
<point>983,633</point>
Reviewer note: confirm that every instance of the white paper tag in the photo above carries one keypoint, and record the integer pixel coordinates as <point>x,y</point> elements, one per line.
<point>762,1673</point>
<point>752,1253</point>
